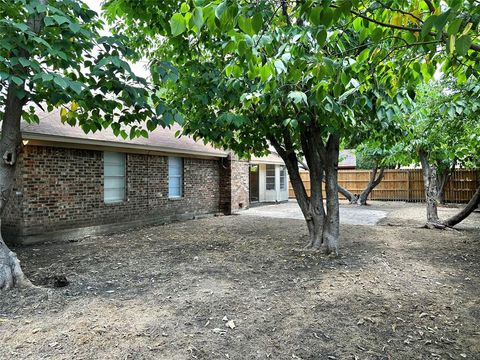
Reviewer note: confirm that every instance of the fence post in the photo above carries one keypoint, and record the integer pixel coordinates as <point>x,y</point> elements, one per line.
<point>408,186</point>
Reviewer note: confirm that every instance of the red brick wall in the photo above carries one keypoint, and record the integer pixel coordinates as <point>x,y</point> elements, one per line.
<point>240,185</point>
<point>234,185</point>
<point>63,189</point>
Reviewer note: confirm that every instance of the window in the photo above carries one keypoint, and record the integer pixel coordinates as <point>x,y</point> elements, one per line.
<point>282,178</point>
<point>175,177</point>
<point>270,177</point>
<point>114,177</point>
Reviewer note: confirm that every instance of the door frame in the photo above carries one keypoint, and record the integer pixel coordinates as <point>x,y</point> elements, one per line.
<point>250,172</point>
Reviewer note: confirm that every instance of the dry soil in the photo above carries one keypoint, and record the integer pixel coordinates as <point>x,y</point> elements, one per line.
<point>236,287</point>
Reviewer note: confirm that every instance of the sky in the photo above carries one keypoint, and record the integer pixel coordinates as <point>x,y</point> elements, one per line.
<point>138,68</point>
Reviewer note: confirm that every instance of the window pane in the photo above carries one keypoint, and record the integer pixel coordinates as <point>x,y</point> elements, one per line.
<point>114,195</point>
<point>282,178</point>
<point>114,177</point>
<point>270,170</point>
<point>114,158</point>
<point>175,177</point>
<point>114,183</point>
<point>270,177</point>
<point>114,170</point>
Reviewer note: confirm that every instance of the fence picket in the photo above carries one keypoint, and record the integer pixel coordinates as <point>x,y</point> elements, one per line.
<point>403,184</point>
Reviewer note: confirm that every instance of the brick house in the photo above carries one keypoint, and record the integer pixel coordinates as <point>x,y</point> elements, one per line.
<point>70,184</point>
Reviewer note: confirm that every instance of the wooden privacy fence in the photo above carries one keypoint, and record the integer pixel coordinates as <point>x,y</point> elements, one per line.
<point>402,185</point>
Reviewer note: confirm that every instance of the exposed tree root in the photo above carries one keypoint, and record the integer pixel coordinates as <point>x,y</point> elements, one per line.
<point>11,274</point>
<point>439,226</point>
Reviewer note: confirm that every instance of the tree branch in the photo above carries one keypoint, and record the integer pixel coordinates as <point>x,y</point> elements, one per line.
<point>473,46</point>
<point>430,6</point>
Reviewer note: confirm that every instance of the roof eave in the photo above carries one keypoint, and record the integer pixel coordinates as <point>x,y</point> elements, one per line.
<point>119,145</point>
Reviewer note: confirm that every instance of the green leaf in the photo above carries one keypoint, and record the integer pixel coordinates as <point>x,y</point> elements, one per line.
<point>220,9</point>
<point>363,55</point>
<point>41,8</point>
<point>242,47</point>
<point>454,27</point>
<point>74,27</point>
<point>321,37</point>
<point>326,17</point>
<point>463,44</point>
<point>48,21</point>
<point>197,18</point>
<point>76,86</point>
<point>298,97</point>
<point>320,94</point>
<point>257,22</point>
<point>280,66</point>
<point>178,118</point>
<point>184,8</point>
<point>337,89</point>
<point>151,125</point>
<point>290,122</point>
<point>60,82</point>
<point>245,24</point>
<point>60,19</point>
<point>427,25</point>
<point>20,93</point>
<point>315,15</point>
<point>160,109</point>
<point>63,115</point>
<point>177,24</point>
<point>451,44</point>
<point>265,72</point>
<point>24,62</point>
<point>376,35</point>
<point>441,20</point>
<point>17,80</point>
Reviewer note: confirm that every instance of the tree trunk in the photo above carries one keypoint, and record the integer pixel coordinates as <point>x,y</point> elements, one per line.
<point>430,184</point>
<point>331,227</point>
<point>352,198</point>
<point>467,210</point>
<point>10,146</point>
<point>316,212</point>
<point>11,274</point>
<point>372,184</point>
<point>312,213</point>
<point>442,180</point>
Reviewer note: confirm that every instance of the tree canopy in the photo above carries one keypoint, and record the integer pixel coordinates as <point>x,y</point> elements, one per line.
<point>53,54</point>
<point>300,75</point>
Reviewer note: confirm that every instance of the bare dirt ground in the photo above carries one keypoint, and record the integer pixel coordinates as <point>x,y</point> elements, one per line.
<point>170,292</point>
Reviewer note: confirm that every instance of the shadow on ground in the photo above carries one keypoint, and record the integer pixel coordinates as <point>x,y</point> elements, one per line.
<point>168,292</point>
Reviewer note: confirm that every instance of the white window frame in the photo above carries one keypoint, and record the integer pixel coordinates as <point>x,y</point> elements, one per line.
<point>283,178</point>
<point>114,159</point>
<point>175,162</point>
<point>267,177</point>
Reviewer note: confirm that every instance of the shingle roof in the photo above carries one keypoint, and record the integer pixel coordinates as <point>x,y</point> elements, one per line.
<point>272,158</point>
<point>347,159</point>
<point>52,129</point>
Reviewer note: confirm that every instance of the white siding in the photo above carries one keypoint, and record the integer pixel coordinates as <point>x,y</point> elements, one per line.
<point>275,194</point>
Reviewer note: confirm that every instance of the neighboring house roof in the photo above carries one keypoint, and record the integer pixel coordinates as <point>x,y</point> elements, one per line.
<point>347,159</point>
<point>51,129</point>
<point>272,158</point>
